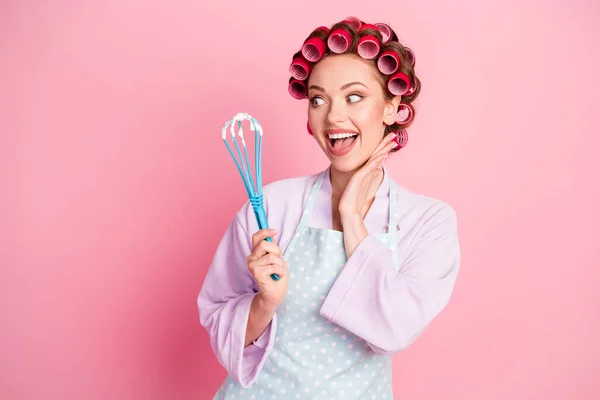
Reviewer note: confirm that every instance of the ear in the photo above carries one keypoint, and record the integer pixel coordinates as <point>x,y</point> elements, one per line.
<point>391,109</point>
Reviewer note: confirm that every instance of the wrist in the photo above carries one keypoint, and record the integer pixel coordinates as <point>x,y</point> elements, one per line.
<point>350,218</point>
<point>264,305</point>
<point>261,314</point>
<point>355,232</point>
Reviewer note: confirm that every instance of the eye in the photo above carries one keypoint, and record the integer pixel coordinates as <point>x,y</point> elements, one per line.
<point>356,97</point>
<point>315,100</point>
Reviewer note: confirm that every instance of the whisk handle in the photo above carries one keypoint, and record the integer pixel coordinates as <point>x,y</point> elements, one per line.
<point>261,218</point>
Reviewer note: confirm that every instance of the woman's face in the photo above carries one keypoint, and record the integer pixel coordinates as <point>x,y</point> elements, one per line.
<point>345,98</point>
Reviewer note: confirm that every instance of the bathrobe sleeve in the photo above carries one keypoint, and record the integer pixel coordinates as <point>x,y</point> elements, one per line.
<point>224,303</point>
<point>388,306</point>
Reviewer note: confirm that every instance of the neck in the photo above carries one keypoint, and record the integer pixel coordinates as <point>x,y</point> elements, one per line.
<point>339,180</point>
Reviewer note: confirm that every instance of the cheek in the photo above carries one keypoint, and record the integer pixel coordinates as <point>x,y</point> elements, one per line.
<point>370,123</point>
<point>315,123</point>
<point>315,119</point>
<point>370,113</point>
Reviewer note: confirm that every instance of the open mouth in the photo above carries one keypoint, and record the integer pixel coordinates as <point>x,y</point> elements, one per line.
<point>341,143</point>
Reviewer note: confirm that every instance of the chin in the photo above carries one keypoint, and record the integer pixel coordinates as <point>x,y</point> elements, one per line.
<point>346,164</point>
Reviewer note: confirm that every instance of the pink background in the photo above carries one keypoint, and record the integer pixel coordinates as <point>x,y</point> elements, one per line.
<point>112,166</point>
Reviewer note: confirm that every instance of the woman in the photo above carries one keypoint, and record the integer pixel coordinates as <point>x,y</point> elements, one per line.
<point>364,264</point>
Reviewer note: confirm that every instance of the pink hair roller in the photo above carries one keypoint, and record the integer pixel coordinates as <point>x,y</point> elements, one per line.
<point>313,49</point>
<point>368,26</point>
<point>300,68</point>
<point>388,62</point>
<point>297,89</point>
<point>368,47</point>
<point>385,30</point>
<point>412,89</point>
<point>339,40</point>
<point>399,84</point>
<point>410,56</point>
<point>354,22</point>
<point>401,138</point>
<point>405,114</point>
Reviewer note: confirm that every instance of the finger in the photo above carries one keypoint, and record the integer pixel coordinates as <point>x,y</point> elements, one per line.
<point>265,271</point>
<point>269,247</point>
<point>269,259</point>
<point>265,260</point>
<point>383,147</point>
<point>261,235</point>
<point>385,150</point>
<point>263,248</point>
<point>377,162</point>
<point>368,167</point>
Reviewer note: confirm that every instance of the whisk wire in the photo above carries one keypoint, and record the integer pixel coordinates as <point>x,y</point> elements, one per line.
<point>244,166</point>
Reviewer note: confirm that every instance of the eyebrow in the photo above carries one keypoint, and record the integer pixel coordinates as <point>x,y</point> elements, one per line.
<point>346,86</point>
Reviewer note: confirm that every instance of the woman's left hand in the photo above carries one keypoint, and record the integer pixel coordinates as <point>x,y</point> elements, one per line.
<point>362,187</point>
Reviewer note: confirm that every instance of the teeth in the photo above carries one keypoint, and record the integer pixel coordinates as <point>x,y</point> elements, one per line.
<point>341,135</point>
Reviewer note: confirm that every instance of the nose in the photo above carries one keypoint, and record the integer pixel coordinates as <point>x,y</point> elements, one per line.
<point>336,113</point>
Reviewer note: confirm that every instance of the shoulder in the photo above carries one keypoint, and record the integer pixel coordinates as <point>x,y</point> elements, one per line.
<point>283,188</point>
<point>285,198</point>
<point>424,211</point>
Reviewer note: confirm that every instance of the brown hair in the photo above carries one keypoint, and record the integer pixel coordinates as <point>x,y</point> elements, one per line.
<point>406,65</point>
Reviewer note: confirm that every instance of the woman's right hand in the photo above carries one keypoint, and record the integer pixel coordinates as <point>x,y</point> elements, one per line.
<point>264,260</point>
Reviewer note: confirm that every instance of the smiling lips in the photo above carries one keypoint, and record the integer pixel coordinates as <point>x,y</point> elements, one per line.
<point>341,141</point>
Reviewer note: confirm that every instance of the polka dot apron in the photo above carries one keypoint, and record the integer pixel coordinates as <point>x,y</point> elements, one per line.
<point>313,358</point>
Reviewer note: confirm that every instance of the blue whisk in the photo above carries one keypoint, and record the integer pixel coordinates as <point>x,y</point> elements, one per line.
<point>243,166</point>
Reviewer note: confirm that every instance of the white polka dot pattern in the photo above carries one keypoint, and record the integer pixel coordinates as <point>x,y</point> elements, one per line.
<point>313,358</point>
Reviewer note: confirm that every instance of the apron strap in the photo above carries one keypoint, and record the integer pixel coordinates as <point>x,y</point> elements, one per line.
<point>312,198</point>
<point>392,213</point>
